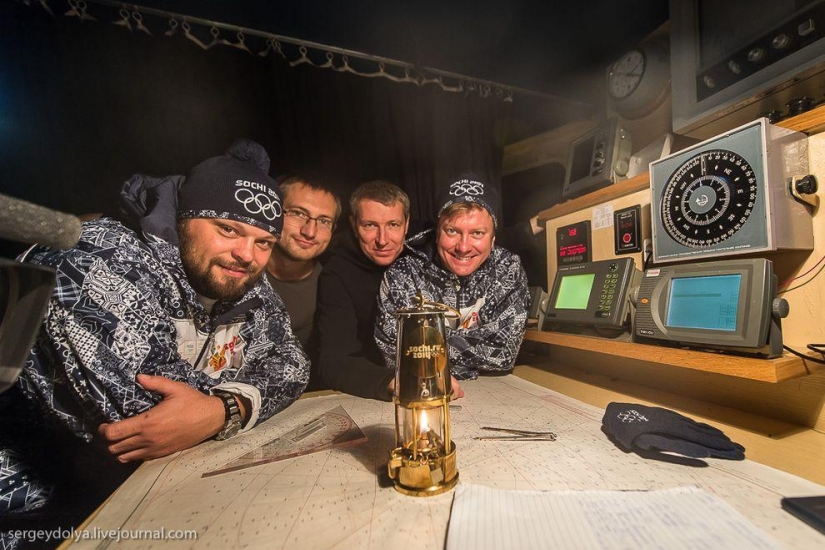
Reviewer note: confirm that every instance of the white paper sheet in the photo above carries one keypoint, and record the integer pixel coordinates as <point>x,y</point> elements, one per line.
<point>677,518</point>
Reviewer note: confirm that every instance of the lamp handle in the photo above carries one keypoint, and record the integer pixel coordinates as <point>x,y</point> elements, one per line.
<point>423,303</point>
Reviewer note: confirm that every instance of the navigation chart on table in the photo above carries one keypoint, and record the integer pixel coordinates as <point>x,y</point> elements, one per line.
<point>338,497</point>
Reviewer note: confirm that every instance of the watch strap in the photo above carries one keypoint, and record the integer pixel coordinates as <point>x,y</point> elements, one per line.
<point>232,418</point>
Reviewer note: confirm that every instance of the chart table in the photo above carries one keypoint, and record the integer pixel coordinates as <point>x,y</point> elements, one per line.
<point>339,498</point>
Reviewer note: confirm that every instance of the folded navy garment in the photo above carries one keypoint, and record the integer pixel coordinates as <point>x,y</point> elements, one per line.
<point>635,426</point>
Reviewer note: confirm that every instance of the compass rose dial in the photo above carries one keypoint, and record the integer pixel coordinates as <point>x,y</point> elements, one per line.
<point>708,198</point>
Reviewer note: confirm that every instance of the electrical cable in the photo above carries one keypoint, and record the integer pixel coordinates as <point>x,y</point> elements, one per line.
<point>818,348</point>
<point>807,357</point>
<point>791,279</point>
<point>647,253</point>
<point>803,284</point>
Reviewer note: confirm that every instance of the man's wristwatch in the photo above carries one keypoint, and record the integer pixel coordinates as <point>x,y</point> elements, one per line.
<point>232,423</point>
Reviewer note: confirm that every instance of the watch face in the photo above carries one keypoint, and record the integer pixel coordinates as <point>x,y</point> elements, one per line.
<point>231,430</point>
<point>626,74</point>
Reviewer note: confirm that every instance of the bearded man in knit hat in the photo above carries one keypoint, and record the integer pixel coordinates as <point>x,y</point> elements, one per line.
<point>458,264</point>
<point>151,346</point>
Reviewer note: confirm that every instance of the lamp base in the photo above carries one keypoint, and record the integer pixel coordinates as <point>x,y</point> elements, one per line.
<point>425,476</point>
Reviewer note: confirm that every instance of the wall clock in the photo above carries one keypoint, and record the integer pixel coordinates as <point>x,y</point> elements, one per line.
<point>639,81</point>
<point>625,75</point>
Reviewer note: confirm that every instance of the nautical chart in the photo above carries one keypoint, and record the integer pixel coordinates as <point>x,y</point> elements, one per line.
<point>338,498</point>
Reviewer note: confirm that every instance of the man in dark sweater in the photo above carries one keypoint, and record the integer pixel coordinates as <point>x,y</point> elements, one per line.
<point>350,360</point>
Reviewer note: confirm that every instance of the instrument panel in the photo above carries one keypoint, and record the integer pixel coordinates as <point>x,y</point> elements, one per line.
<point>730,195</point>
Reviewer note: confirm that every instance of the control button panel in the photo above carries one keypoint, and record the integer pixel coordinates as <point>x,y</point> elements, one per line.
<point>627,230</point>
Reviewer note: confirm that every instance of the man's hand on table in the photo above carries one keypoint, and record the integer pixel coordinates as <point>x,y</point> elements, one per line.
<point>183,418</point>
<point>456,387</point>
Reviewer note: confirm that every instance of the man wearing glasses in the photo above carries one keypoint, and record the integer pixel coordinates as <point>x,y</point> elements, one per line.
<point>310,212</point>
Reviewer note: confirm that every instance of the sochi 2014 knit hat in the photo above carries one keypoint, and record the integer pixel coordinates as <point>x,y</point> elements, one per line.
<point>469,188</point>
<point>234,186</point>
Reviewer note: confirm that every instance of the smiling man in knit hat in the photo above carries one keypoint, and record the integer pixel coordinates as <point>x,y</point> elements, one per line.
<point>458,264</point>
<point>149,348</point>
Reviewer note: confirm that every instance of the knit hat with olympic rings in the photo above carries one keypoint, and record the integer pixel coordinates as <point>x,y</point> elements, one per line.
<point>234,186</point>
<point>469,188</point>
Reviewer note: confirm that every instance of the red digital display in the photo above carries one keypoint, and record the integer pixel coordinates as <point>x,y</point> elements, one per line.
<point>573,243</point>
<point>572,250</point>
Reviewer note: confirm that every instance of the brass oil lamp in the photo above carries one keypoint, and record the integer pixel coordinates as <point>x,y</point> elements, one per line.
<point>423,462</point>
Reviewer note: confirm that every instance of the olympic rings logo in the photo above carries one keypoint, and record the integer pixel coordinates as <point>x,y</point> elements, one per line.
<point>259,203</point>
<point>466,187</point>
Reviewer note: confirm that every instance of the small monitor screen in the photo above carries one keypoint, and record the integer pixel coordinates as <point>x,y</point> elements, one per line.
<point>582,158</point>
<point>704,302</point>
<point>574,291</point>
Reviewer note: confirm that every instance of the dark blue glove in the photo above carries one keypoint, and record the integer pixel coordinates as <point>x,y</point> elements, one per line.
<point>636,426</point>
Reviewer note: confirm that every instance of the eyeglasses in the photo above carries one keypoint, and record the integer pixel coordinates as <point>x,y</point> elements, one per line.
<point>301,218</point>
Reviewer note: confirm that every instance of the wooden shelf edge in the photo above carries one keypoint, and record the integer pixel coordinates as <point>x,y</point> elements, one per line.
<point>809,122</point>
<point>611,192</point>
<point>776,370</point>
<point>544,148</point>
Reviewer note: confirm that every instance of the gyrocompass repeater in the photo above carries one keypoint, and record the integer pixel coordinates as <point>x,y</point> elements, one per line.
<point>731,195</point>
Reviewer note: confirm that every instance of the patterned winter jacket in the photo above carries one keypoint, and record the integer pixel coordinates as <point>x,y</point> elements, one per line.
<point>123,306</point>
<point>493,302</point>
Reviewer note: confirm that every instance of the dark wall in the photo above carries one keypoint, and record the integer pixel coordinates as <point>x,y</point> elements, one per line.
<point>525,194</point>
<point>85,105</point>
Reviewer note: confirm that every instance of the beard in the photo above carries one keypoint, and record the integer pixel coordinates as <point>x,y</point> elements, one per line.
<point>207,281</point>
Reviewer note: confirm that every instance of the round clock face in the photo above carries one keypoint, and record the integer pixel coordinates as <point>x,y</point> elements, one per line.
<point>626,74</point>
<point>708,198</point>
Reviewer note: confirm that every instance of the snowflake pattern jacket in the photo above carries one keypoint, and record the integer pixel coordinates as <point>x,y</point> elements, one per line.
<point>493,300</point>
<point>122,306</point>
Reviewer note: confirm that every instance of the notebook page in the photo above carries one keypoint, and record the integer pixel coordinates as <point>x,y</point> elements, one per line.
<point>679,518</point>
